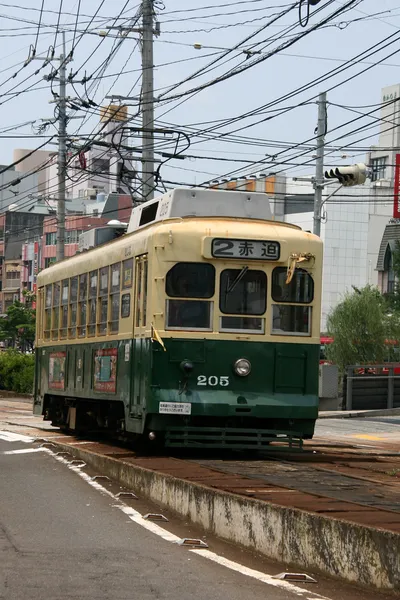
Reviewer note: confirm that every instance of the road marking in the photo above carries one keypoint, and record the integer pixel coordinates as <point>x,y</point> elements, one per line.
<point>137,518</point>
<point>24,451</point>
<point>9,436</point>
<point>263,577</point>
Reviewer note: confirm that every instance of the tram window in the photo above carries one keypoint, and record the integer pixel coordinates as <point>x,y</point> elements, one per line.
<point>191,280</point>
<point>82,311</point>
<point>48,309</point>
<point>139,269</point>
<point>189,314</point>
<point>93,284</point>
<point>115,285</point>
<point>73,306</point>
<point>102,328</point>
<point>250,324</point>
<point>56,311</point>
<point>92,316</point>
<point>125,305</point>
<point>64,308</point>
<point>243,292</point>
<point>103,281</point>
<point>145,277</point>
<point>299,290</point>
<point>115,277</point>
<point>127,274</point>
<point>291,320</point>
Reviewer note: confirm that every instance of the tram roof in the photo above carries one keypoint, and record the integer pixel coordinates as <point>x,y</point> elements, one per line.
<point>199,202</point>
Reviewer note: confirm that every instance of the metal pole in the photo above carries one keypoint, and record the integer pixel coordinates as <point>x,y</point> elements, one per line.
<point>349,389</point>
<point>62,155</point>
<point>148,101</point>
<point>319,167</point>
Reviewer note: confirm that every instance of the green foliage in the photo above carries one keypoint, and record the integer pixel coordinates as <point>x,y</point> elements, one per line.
<point>17,371</point>
<point>18,326</point>
<point>360,326</point>
<point>393,298</point>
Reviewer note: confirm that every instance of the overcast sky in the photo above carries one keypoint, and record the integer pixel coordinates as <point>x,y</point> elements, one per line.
<point>176,58</point>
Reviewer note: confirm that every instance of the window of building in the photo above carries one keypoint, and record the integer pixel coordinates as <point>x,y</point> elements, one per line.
<point>100,165</point>
<point>56,311</point>
<point>51,239</point>
<point>378,167</point>
<point>115,286</point>
<point>82,305</point>
<point>191,280</point>
<point>49,261</point>
<point>299,290</point>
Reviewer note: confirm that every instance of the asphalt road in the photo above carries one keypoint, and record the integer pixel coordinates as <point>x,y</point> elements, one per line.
<point>62,539</point>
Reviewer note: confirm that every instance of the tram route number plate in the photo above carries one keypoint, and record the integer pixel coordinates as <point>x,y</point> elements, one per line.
<point>251,249</point>
<point>175,408</point>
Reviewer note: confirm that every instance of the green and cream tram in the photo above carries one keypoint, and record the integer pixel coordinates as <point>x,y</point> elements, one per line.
<point>199,327</point>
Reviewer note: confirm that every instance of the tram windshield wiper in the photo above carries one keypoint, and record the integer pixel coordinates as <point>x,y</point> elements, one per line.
<point>238,278</point>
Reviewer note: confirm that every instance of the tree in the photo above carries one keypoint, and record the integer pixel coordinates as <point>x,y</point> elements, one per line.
<point>393,297</point>
<point>18,326</point>
<point>360,326</point>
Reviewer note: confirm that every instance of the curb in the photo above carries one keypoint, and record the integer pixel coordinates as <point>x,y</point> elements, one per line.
<point>356,414</point>
<point>348,551</point>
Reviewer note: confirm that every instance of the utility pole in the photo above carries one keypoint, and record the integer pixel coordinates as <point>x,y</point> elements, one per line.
<point>147,101</point>
<point>62,154</point>
<point>319,167</point>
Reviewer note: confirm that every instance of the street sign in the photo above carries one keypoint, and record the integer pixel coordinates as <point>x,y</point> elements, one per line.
<point>396,207</point>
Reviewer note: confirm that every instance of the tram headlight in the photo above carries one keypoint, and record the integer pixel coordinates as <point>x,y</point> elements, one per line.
<point>242,367</point>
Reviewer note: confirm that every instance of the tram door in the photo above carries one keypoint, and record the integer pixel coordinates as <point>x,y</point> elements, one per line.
<point>141,344</point>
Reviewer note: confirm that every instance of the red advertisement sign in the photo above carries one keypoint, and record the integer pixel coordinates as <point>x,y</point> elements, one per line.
<point>57,362</point>
<point>105,370</point>
<point>396,207</point>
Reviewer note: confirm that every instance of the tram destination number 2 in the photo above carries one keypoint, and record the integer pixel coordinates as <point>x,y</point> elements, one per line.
<point>252,249</point>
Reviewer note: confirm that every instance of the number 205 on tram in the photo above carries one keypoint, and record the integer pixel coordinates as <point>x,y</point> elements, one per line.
<point>199,327</point>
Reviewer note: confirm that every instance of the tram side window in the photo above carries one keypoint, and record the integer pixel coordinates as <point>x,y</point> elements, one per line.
<point>73,306</point>
<point>127,274</point>
<point>82,311</point>
<point>243,292</point>
<point>103,301</point>
<point>115,287</point>
<point>93,281</point>
<point>56,311</point>
<point>289,315</point>
<point>47,317</point>
<point>64,308</point>
<point>197,282</point>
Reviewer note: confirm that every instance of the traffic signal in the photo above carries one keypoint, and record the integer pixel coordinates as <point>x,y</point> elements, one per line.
<point>313,2</point>
<point>347,176</point>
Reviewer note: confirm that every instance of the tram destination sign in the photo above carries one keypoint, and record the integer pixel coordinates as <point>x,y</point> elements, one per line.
<point>251,249</point>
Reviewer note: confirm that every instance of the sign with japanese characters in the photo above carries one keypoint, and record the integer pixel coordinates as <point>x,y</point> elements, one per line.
<point>396,203</point>
<point>250,249</point>
<point>105,370</point>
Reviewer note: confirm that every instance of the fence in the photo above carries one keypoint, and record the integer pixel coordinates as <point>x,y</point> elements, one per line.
<point>377,387</point>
